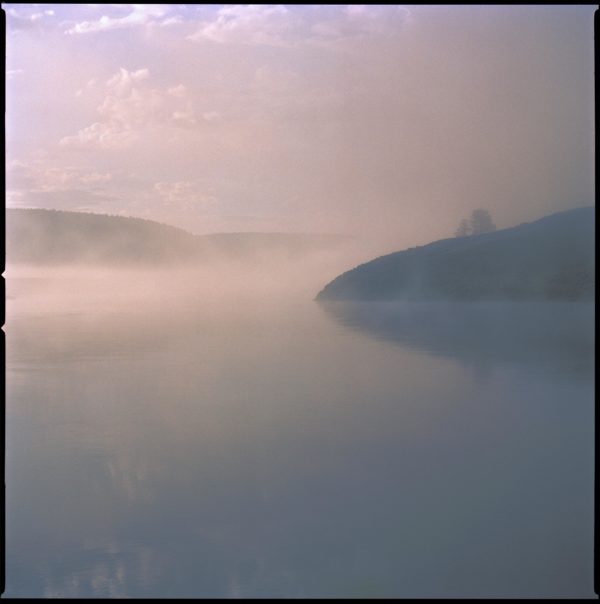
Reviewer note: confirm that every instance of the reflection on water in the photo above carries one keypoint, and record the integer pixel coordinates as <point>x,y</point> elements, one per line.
<point>264,449</point>
<point>548,336</point>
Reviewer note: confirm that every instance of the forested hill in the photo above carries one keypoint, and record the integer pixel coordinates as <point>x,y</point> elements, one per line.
<point>54,237</point>
<point>36,236</point>
<point>551,258</point>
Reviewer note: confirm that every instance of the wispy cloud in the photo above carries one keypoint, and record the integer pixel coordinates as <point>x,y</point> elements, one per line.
<point>24,20</point>
<point>276,25</point>
<point>141,14</point>
<point>359,21</point>
<point>37,185</point>
<point>37,176</point>
<point>247,24</point>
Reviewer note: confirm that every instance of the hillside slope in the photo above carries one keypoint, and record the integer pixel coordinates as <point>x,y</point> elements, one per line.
<point>48,237</point>
<point>55,237</point>
<point>551,258</point>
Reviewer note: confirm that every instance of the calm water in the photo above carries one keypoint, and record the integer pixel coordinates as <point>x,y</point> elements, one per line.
<point>278,447</point>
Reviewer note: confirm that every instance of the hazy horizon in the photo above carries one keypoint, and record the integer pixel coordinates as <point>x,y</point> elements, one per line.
<point>280,416</point>
<point>389,123</point>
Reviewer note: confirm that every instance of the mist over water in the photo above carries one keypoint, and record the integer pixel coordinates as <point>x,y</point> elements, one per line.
<point>216,384</point>
<point>213,431</point>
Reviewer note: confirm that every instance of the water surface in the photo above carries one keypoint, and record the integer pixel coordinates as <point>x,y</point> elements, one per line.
<point>254,445</point>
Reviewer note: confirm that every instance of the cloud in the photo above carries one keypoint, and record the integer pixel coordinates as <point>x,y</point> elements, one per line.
<point>171,21</point>
<point>37,176</point>
<point>18,21</point>
<point>103,135</point>
<point>325,26</point>
<point>130,106</point>
<point>141,14</point>
<point>359,21</point>
<point>177,91</point>
<point>247,24</point>
<point>123,81</point>
<point>38,185</point>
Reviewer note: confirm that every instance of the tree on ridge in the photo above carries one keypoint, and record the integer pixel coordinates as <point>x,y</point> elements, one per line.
<point>479,222</point>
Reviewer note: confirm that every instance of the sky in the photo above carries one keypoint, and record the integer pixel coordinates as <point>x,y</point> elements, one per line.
<point>389,123</point>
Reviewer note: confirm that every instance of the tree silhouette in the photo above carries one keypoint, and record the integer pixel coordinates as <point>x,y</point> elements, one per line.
<point>481,222</point>
<point>463,228</point>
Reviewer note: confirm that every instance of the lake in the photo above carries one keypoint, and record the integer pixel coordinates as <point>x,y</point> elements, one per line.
<point>264,445</point>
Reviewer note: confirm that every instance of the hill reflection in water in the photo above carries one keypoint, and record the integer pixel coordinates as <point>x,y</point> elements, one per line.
<point>543,336</point>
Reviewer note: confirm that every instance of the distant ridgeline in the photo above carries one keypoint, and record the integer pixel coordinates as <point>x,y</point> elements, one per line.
<point>551,258</point>
<point>36,236</point>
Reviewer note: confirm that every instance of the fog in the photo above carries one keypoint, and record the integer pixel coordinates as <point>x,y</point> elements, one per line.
<point>184,418</point>
<point>62,309</point>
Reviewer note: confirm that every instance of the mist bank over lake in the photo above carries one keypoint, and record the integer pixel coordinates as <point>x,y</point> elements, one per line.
<point>549,259</point>
<point>52,237</point>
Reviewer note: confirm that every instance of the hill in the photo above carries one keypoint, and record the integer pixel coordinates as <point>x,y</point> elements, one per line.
<point>55,237</point>
<point>48,237</point>
<point>551,258</point>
